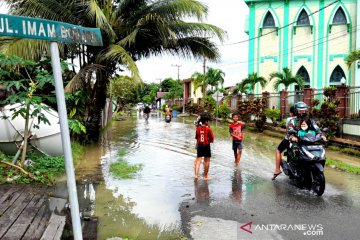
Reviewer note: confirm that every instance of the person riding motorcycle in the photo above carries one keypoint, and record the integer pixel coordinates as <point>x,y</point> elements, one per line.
<point>147,111</point>
<point>301,112</point>
<point>168,113</point>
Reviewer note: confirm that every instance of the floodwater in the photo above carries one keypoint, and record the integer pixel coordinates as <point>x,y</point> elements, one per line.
<point>150,206</point>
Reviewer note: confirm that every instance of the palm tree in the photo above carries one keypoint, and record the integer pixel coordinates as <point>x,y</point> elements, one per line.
<point>286,78</point>
<point>254,79</point>
<point>131,29</point>
<point>199,81</point>
<point>241,88</point>
<point>352,57</point>
<point>215,77</point>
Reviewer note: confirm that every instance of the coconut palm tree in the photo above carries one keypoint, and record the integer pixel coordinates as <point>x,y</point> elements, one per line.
<point>241,88</point>
<point>131,29</point>
<point>254,79</point>
<point>199,81</point>
<point>215,77</point>
<point>286,78</point>
<point>352,57</point>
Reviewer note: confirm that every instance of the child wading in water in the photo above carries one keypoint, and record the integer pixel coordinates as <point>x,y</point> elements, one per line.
<point>235,130</point>
<point>204,136</point>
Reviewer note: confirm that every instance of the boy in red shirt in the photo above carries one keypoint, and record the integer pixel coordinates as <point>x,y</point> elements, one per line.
<point>204,136</point>
<point>235,130</point>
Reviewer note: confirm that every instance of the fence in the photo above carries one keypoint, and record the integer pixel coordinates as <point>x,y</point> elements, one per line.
<point>349,98</point>
<point>354,101</point>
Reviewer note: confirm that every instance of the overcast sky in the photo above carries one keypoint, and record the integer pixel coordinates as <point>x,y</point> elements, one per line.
<point>227,14</point>
<point>230,16</point>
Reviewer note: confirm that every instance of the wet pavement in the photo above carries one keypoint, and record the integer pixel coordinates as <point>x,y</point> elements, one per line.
<point>164,202</point>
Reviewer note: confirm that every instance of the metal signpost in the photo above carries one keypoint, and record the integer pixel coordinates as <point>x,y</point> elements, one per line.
<point>218,94</point>
<point>35,28</point>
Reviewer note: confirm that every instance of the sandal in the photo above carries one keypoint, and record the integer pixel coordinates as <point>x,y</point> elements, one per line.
<point>275,175</point>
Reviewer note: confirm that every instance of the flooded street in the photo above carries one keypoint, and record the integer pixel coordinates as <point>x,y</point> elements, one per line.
<point>164,202</point>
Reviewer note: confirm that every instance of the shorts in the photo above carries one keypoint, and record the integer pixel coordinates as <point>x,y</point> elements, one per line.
<point>203,150</point>
<point>237,145</point>
<point>283,145</point>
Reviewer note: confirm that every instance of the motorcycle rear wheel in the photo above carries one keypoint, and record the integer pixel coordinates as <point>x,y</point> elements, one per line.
<point>318,184</point>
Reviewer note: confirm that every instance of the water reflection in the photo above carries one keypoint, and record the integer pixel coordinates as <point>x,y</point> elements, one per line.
<point>236,186</point>
<point>202,194</point>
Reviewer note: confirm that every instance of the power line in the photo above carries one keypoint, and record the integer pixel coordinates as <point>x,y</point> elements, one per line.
<point>251,61</point>
<point>287,25</point>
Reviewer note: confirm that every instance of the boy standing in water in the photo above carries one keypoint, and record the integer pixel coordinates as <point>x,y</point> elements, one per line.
<point>235,130</point>
<point>204,136</point>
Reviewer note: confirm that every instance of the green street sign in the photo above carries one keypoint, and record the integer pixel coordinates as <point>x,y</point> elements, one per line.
<point>36,28</point>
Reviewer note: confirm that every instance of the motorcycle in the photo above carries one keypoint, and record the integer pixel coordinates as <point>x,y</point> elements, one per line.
<point>305,162</point>
<point>167,118</point>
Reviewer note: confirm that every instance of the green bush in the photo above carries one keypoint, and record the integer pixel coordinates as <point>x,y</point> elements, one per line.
<point>273,114</point>
<point>283,123</point>
<point>223,111</point>
<point>176,108</point>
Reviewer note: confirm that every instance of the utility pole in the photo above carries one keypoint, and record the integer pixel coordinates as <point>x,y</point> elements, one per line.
<point>178,78</point>
<point>204,66</point>
<point>204,72</point>
<point>160,84</point>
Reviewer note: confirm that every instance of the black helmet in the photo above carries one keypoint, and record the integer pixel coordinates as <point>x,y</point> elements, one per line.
<point>301,109</point>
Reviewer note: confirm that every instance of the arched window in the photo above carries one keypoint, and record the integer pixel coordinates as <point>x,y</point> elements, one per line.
<point>303,18</point>
<point>339,17</point>
<point>336,76</point>
<point>269,20</point>
<point>302,72</point>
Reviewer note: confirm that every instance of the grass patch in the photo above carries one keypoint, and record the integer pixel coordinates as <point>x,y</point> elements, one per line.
<point>124,170</point>
<point>348,151</point>
<point>342,166</point>
<point>221,131</point>
<point>121,152</point>
<point>45,169</point>
<point>274,134</point>
<point>334,148</point>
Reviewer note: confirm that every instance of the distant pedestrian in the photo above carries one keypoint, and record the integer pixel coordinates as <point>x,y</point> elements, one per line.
<point>204,136</point>
<point>236,131</point>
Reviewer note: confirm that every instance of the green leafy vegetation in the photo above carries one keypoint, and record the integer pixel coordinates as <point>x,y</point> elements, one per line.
<point>122,152</point>
<point>44,169</point>
<point>326,113</point>
<point>124,170</point>
<point>223,111</point>
<point>273,114</point>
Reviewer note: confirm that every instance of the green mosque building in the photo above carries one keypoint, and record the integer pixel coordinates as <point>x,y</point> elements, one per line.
<point>311,38</point>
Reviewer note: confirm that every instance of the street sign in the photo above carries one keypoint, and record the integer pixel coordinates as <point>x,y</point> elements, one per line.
<point>42,29</point>
<point>217,96</point>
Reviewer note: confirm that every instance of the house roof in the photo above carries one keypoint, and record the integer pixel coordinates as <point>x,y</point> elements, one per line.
<point>161,94</point>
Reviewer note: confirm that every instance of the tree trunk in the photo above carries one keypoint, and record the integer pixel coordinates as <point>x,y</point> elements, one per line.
<point>96,106</point>
<point>26,135</point>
